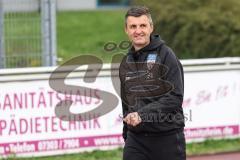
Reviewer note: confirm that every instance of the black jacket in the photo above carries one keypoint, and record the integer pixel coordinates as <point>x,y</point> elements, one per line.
<point>152,84</point>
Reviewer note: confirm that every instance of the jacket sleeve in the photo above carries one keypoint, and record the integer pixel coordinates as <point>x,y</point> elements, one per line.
<point>125,112</point>
<point>171,101</point>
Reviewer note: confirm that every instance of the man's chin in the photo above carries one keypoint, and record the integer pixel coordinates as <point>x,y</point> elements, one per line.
<point>139,42</point>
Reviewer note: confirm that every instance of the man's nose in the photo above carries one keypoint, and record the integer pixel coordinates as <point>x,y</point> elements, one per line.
<point>138,30</point>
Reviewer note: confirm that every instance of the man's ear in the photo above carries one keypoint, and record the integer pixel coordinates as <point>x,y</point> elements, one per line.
<point>125,29</point>
<point>152,28</point>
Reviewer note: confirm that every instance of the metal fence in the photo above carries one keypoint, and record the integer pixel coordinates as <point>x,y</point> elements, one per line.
<point>27,33</point>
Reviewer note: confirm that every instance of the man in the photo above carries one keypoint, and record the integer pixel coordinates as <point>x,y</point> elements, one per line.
<point>152,93</point>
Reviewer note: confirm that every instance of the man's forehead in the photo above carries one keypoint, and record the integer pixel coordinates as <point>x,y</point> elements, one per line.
<point>136,20</point>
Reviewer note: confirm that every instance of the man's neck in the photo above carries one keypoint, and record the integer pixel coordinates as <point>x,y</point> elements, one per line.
<point>138,47</point>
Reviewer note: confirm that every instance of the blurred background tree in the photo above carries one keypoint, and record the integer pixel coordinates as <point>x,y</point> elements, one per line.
<point>197,28</point>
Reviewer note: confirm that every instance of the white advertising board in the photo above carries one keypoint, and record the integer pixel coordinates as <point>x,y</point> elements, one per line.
<point>29,126</point>
<point>212,101</point>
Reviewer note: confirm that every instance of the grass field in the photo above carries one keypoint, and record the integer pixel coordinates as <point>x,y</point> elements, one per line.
<point>213,146</point>
<point>78,33</point>
<point>87,32</point>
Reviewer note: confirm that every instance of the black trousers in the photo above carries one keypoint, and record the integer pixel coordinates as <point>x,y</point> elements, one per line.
<point>148,147</point>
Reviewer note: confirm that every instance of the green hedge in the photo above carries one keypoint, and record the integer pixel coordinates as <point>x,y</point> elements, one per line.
<point>198,28</point>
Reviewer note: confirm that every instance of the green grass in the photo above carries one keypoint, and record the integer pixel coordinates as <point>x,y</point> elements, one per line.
<point>213,146</point>
<point>206,147</point>
<point>95,155</point>
<point>86,32</point>
<point>78,33</point>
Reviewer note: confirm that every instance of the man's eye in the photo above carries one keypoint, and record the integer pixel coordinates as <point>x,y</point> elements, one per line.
<point>143,25</point>
<point>133,26</point>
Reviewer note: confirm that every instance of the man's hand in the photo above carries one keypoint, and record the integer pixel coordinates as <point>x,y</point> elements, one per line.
<point>133,119</point>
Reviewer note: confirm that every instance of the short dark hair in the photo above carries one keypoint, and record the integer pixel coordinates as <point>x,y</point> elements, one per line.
<point>138,11</point>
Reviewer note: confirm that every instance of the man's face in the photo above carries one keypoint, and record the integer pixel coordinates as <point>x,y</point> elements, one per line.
<point>138,30</point>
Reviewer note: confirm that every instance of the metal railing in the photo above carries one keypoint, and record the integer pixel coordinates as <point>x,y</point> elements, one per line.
<point>40,73</point>
<point>27,33</point>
